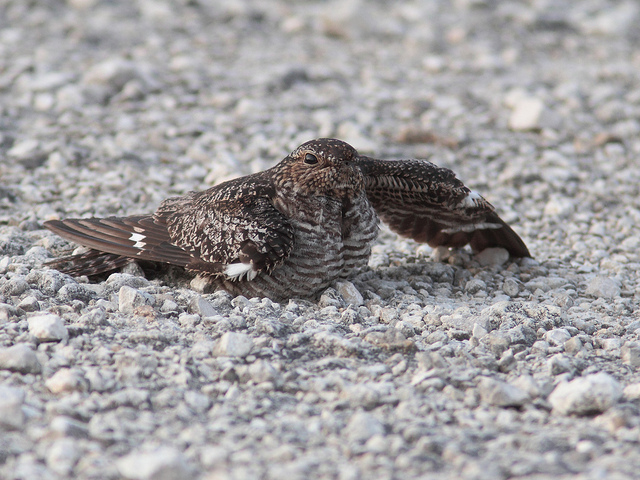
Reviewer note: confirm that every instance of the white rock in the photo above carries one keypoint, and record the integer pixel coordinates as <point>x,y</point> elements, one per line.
<point>475,285</point>
<point>11,414</point>
<point>501,394</point>
<point>62,456</point>
<point>202,307</point>
<point>349,293</point>
<point>362,426</point>
<point>632,391</point>
<point>48,328</point>
<point>66,380</point>
<point>130,298</point>
<point>631,354</point>
<point>603,287</point>
<point>19,358</point>
<point>557,336</point>
<point>526,114</point>
<point>559,207</point>
<point>586,395</point>
<point>163,463</point>
<point>490,257</point>
<point>478,331</point>
<point>233,344</point>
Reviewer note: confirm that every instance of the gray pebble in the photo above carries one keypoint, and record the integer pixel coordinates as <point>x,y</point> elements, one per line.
<point>29,304</point>
<point>74,291</point>
<point>501,394</point>
<point>349,293</point>
<point>631,354</point>
<point>14,286</point>
<point>130,298</point>
<point>492,257</point>
<point>48,328</point>
<point>474,286</point>
<point>603,287</point>
<point>557,336</point>
<point>63,455</point>
<point>362,426</point>
<point>202,307</point>
<point>11,415</point>
<point>162,463</point>
<point>588,395</point>
<point>233,344</point>
<point>20,358</point>
<point>66,380</point>
<point>511,287</point>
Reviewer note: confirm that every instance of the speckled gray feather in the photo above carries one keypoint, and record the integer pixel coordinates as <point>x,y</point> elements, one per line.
<point>293,229</point>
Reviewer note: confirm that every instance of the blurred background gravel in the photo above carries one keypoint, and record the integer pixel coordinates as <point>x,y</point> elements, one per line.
<point>452,366</point>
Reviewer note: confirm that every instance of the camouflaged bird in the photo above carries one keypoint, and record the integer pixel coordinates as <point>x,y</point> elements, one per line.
<point>294,229</point>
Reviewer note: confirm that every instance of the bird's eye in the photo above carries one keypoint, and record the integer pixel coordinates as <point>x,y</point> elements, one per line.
<point>310,159</point>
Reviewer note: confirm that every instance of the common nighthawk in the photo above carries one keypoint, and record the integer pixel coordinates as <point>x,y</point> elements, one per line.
<point>292,230</point>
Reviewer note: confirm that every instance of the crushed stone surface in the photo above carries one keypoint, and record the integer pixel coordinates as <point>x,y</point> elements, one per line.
<point>429,364</point>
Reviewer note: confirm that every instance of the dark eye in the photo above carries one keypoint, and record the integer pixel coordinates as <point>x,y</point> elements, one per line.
<point>310,159</point>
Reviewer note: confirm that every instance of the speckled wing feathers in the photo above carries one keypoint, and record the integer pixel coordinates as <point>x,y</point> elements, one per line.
<point>234,222</point>
<point>427,203</point>
<point>204,232</point>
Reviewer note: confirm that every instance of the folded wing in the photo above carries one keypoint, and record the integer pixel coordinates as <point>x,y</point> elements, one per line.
<point>206,232</point>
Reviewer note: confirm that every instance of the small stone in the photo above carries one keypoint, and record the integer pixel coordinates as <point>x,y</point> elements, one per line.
<point>19,358</point>
<point>478,331</point>
<point>603,287</point>
<point>526,113</point>
<point>631,354</point>
<point>130,298</point>
<point>263,371</point>
<point>66,380</point>
<point>511,287</point>
<point>632,391</point>
<point>62,456</point>
<point>559,364</point>
<point>557,336</point>
<point>586,395</point>
<point>75,291</point>
<point>48,328</point>
<point>362,426</point>
<point>233,344</point>
<point>391,339</point>
<point>501,394</point>
<point>202,307</point>
<point>29,304</point>
<point>11,414</point>
<point>163,463</point>
<point>117,280</point>
<point>573,345</point>
<point>474,286</point>
<point>15,286</point>
<point>492,257</point>
<point>349,293</point>
<point>8,312</point>
<point>559,207</point>
<point>528,384</point>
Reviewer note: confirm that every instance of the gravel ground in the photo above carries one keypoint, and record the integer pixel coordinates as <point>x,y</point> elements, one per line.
<point>430,364</point>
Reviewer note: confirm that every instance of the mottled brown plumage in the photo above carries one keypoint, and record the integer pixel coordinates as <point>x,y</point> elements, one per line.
<point>292,230</point>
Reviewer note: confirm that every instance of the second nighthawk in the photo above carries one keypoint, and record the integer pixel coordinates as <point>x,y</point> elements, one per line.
<point>292,230</point>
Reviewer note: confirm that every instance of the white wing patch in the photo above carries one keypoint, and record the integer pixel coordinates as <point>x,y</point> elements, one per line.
<point>471,200</point>
<point>137,237</point>
<point>235,271</point>
<point>471,227</point>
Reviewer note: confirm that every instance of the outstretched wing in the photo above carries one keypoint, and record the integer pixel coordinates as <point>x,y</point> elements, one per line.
<point>427,203</point>
<point>207,232</point>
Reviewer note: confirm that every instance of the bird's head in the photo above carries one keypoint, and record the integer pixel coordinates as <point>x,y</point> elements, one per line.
<point>324,166</point>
